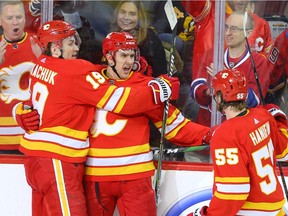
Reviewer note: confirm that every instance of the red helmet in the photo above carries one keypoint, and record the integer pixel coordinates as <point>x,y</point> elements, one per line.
<point>232,84</point>
<point>115,41</point>
<point>55,31</point>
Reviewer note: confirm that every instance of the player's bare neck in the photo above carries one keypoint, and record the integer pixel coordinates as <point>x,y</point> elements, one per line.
<point>231,113</point>
<point>111,74</point>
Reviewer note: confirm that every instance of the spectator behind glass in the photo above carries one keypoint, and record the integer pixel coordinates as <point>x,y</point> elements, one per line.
<point>17,57</point>
<point>32,15</point>
<point>130,16</point>
<point>68,11</point>
<point>184,46</point>
<point>277,92</point>
<point>203,13</point>
<point>185,24</point>
<point>236,56</point>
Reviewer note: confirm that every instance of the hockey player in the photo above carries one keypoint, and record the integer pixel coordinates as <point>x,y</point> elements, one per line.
<point>17,57</point>
<point>243,150</point>
<point>120,165</point>
<point>282,124</point>
<point>65,92</point>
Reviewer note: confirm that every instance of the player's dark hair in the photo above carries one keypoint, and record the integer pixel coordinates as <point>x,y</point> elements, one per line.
<point>47,50</point>
<point>235,105</point>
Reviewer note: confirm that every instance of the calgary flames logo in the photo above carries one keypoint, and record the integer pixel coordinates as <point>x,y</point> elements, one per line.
<point>14,82</point>
<point>35,7</point>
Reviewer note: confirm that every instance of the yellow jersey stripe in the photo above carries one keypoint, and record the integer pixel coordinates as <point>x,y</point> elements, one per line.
<point>10,140</point>
<point>61,187</point>
<point>106,97</point>
<point>230,196</point>
<point>7,121</point>
<point>123,100</point>
<point>170,119</point>
<point>264,205</point>
<point>53,148</point>
<point>284,131</point>
<point>176,130</point>
<point>232,179</point>
<point>67,132</point>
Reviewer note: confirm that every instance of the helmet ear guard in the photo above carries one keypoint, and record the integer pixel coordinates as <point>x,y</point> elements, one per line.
<point>232,84</point>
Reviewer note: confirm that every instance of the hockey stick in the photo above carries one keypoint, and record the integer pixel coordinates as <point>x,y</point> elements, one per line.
<point>180,149</point>
<point>261,96</point>
<point>169,10</point>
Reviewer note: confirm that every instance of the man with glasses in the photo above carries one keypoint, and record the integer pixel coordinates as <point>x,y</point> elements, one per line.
<point>237,56</point>
<point>260,39</point>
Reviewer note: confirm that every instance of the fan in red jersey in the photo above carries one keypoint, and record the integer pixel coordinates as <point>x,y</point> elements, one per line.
<point>278,57</point>
<point>65,92</point>
<point>260,39</point>
<point>120,165</point>
<point>203,13</point>
<point>243,150</point>
<point>18,55</point>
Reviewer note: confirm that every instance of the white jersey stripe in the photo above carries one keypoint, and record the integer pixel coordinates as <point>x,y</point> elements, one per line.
<point>233,188</point>
<point>115,97</point>
<point>11,131</point>
<point>119,161</point>
<point>61,140</point>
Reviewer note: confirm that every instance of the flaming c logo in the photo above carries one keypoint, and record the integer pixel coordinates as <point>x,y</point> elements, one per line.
<point>14,82</point>
<point>35,7</point>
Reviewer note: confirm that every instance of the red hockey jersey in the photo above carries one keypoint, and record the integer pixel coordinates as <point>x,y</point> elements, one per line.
<point>66,94</point>
<point>244,162</point>
<point>14,87</point>
<point>120,147</point>
<point>32,15</point>
<point>244,63</point>
<point>260,39</point>
<point>279,58</point>
<point>203,13</point>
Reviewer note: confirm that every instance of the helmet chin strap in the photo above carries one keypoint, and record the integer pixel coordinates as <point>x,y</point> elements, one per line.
<point>114,68</point>
<point>115,71</point>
